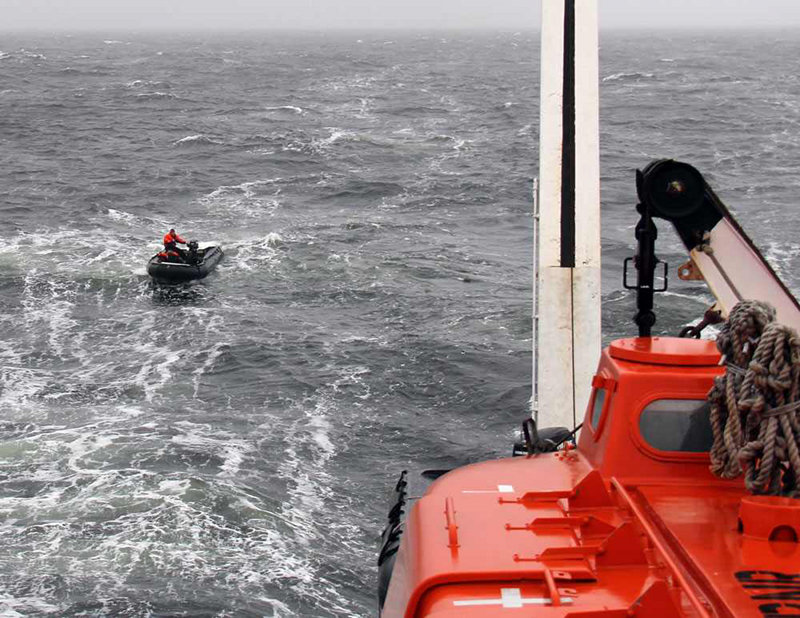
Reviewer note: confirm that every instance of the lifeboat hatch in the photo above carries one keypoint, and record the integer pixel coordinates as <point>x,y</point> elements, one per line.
<point>770,518</point>
<point>666,351</point>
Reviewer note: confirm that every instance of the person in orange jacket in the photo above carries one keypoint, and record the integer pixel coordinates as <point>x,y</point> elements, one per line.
<point>171,240</point>
<point>169,255</point>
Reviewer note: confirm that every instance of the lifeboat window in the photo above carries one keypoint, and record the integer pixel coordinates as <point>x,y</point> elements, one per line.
<point>677,425</point>
<point>597,406</point>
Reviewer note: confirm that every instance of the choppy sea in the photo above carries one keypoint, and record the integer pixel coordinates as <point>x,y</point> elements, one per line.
<point>226,448</point>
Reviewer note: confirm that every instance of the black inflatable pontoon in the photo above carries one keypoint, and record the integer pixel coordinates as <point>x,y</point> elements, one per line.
<point>198,264</point>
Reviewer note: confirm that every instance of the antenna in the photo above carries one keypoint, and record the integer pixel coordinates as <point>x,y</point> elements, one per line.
<point>535,356</point>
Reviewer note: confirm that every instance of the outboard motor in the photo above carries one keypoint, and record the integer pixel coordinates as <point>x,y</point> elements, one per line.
<point>193,256</point>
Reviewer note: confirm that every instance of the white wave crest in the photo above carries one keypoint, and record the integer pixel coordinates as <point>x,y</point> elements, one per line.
<point>153,86</point>
<point>254,254</point>
<point>119,215</point>
<point>155,95</point>
<point>310,480</point>
<point>33,55</point>
<point>246,188</point>
<point>21,606</point>
<point>286,108</point>
<point>336,136</point>
<point>19,386</point>
<point>250,199</point>
<point>623,76</point>
<point>213,326</point>
<point>196,139</point>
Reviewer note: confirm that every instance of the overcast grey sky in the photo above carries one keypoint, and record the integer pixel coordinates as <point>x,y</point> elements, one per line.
<point>373,14</point>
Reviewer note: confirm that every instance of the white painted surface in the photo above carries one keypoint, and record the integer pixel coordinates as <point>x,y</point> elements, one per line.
<point>501,489</point>
<point>734,272</point>
<point>510,598</point>
<point>568,309</point>
<point>587,298</point>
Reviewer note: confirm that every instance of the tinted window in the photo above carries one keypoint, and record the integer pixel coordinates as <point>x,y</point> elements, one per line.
<point>597,406</point>
<point>677,425</point>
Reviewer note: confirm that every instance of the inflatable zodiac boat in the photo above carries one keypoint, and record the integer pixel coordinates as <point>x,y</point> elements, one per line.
<point>197,264</point>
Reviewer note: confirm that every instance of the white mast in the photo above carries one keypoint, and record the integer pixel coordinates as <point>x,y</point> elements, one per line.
<point>567,311</point>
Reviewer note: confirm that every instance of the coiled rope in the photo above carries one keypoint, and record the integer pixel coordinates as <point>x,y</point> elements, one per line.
<point>755,405</point>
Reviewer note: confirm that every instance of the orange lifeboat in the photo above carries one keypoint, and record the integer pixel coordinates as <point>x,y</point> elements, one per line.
<point>627,521</point>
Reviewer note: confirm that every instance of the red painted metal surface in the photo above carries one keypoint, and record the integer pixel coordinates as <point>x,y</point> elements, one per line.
<point>614,528</point>
<point>770,518</point>
<point>666,351</point>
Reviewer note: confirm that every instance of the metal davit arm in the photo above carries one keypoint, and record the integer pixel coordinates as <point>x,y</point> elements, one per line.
<point>721,252</point>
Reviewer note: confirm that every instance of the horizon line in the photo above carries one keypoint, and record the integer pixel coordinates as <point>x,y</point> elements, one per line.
<point>380,29</point>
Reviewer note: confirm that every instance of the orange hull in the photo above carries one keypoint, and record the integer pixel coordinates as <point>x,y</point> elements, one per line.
<point>631,523</point>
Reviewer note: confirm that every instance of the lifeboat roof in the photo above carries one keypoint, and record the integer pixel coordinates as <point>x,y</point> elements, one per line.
<point>484,543</point>
<point>666,351</point>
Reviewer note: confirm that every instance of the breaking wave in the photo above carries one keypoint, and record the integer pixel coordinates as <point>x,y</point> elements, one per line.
<point>197,140</point>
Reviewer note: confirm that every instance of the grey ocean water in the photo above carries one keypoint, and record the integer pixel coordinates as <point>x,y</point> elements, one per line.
<point>226,448</point>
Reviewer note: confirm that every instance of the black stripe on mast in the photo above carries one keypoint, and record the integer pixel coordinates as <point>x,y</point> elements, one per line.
<point>568,140</point>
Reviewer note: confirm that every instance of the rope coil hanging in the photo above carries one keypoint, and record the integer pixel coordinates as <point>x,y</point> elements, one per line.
<point>755,405</point>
